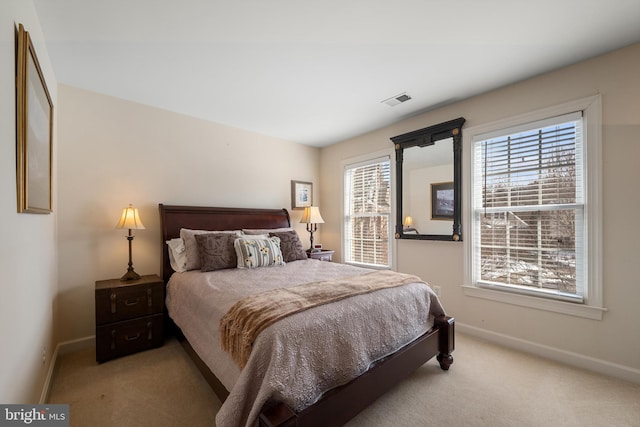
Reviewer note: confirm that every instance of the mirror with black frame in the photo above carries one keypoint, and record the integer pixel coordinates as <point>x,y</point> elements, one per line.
<point>429,182</point>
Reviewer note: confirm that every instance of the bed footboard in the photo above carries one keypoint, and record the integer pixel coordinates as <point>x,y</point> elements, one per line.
<point>446,345</point>
<point>341,404</point>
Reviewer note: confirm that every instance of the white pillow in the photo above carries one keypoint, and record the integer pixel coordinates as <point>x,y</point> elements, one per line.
<point>191,246</point>
<point>254,231</point>
<point>254,253</point>
<point>253,236</point>
<point>177,255</point>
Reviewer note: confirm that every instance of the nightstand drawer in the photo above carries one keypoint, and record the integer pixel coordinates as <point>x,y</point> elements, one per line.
<point>122,338</point>
<point>124,302</point>
<point>322,255</point>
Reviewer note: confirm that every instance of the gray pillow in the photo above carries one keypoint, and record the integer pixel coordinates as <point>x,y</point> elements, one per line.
<point>216,251</point>
<point>191,246</point>
<point>290,246</point>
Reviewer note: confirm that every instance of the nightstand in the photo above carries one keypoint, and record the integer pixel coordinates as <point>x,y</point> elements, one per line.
<point>322,255</point>
<point>129,316</point>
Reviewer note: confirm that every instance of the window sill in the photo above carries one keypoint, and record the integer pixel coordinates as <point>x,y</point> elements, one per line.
<point>572,309</point>
<point>370,266</point>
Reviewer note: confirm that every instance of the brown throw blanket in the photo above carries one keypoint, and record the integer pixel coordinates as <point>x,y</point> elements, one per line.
<point>242,324</point>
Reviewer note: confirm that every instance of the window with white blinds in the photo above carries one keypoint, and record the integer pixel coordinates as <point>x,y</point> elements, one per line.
<point>529,208</point>
<point>533,188</point>
<point>367,213</point>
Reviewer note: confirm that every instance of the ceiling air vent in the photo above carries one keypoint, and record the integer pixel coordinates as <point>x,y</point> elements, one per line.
<point>398,99</point>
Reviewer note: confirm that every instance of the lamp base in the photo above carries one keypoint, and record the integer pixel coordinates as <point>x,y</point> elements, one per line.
<point>130,275</point>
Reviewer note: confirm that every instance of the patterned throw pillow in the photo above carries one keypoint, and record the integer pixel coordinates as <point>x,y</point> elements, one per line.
<point>191,246</point>
<point>290,245</point>
<point>216,251</point>
<point>253,253</point>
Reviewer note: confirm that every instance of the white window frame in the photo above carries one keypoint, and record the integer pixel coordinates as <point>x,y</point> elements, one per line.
<point>592,306</point>
<point>364,160</point>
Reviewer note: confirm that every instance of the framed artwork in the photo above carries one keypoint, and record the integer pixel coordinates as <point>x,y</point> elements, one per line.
<point>34,122</point>
<point>301,194</point>
<point>442,200</point>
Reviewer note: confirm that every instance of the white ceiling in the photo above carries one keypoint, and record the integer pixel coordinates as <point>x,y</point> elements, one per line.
<point>315,72</point>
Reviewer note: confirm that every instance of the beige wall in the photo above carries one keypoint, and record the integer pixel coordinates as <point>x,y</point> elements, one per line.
<point>612,344</point>
<point>113,152</point>
<point>28,251</point>
<point>110,152</point>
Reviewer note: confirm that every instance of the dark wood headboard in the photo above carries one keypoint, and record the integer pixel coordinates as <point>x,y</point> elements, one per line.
<point>173,218</point>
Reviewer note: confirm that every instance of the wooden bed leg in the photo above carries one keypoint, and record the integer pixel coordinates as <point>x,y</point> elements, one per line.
<point>446,340</point>
<point>278,415</point>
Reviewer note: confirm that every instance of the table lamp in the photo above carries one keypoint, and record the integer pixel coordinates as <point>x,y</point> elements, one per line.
<point>130,219</point>
<point>311,216</point>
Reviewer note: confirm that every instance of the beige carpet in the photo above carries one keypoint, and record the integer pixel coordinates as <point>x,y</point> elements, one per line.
<point>486,386</point>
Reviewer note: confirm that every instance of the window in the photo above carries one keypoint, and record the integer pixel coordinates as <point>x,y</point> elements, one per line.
<point>533,220</point>
<point>367,188</point>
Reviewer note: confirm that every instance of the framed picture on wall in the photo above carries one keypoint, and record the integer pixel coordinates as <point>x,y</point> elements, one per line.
<point>301,194</point>
<point>34,133</point>
<point>442,200</point>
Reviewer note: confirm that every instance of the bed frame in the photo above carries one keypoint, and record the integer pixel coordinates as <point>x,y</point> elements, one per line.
<point>341,404</point>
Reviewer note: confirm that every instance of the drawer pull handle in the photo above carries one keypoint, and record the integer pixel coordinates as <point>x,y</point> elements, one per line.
<point>149,331</point>
<point>131,301</point>
<point>112,297</point>
<point>132,338</point>
<point>149,297</point>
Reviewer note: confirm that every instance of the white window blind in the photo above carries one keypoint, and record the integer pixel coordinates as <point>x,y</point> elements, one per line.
<point>367,213</point>
<point>529,207</point>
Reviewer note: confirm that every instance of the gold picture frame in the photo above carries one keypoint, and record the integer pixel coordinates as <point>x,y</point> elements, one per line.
<point>34,130</point>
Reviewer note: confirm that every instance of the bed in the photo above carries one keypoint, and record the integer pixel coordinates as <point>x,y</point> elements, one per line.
<point>234,386</point>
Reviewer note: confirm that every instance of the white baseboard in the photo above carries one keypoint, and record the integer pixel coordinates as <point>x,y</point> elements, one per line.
<point>573,359</point>
<point>62,349</point>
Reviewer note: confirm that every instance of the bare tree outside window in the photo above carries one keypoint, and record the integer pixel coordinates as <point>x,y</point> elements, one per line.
<point>368,211</point>
<point>530,207</point>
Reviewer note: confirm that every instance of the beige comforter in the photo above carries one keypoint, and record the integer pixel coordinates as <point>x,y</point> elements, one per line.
<point>299,357</point>
<point>251,315</point>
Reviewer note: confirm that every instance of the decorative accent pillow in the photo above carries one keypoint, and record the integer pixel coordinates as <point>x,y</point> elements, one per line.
<point>191,246</point>
<point>290,245</point>
<point>253,253</point>
<point>216,251</point>
<point>177,255</point>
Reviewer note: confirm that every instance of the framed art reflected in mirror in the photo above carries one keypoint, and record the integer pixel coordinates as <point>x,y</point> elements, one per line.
<point>442,200</point>
<point>34,130</point>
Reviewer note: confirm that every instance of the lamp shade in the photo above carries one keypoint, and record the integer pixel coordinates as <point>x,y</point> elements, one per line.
<point>408,221</point>
<point>130,219</point>
<point>311,215</point>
